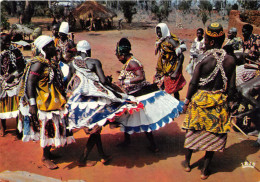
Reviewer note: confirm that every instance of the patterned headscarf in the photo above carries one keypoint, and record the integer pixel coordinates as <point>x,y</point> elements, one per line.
<point>215,30</point>
<point>123,47</point>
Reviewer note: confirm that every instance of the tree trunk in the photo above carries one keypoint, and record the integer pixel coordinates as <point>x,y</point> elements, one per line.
<point>27,14</point>
<point>13,8</point>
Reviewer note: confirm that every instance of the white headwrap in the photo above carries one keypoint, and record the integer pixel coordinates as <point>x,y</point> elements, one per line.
<point>83,46</point>
<point>42,41</point>
<point>164,29</point>
<point>64,27</point>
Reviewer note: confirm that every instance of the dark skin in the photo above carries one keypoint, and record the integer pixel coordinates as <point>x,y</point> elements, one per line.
<point>95,137</point>
<point>202,70</point>
<point>180,57</point>
<point>123,58</point>
<point>170,40</point>
<point>174,44</point>
<point>33,81</point>
<point>179,66</point>
<point>9,77</point>
<point>5,44</point>
<point>246,34</point>
<point>139,74</point>
<point>95,66</point>
<point>200,35</point>
<point>71,51</point>
<point>231,34</point>
<point>55,30</point>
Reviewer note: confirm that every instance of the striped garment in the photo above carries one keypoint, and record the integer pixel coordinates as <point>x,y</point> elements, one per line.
<point>243,74</point>
<point>204,140</point>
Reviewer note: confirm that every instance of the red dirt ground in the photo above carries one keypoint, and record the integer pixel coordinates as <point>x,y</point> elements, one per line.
<point>135,163</point>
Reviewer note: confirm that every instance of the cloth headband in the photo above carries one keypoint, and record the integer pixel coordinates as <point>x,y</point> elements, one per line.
<point>122,49</point>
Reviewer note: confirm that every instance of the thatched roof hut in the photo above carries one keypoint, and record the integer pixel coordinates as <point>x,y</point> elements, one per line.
<point>93,9</point>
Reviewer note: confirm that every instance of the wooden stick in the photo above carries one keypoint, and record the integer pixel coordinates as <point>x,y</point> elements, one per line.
<point>237,126</point>
<point>253,61</point>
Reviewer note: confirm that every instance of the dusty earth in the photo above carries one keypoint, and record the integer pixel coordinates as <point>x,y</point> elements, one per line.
<point>134,163</point>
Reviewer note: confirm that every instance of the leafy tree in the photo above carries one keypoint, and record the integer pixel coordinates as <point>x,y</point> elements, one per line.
<point>27,13</point>
<point>162,10</point>
<point>228,8</point>
<point>128,9</point>
<point>41,8</point>
<point>4,20</point>
<point>251,5</point>
<point>185,6</point>
<point>204,17</point>
<point>205,6</point>
<point>218,5</point>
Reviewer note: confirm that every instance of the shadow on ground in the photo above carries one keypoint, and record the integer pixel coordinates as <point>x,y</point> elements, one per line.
<point>169,140</point>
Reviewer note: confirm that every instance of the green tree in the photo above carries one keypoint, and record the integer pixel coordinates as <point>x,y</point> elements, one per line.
<point>205,5</point>
<point>4,20</point>
<point>161,10</point>
<point>204,17</point>
<point>250,5</point>
<point>128,10</point>
<point>218,5</point>
<point>185,6</point>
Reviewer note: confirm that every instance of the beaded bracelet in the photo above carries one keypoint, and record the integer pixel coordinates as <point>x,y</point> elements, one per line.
<point>34,73</point>
<point>32,101</point>
<point>186,101</point>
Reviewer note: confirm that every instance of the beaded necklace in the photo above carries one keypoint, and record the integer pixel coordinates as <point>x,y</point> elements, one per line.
<point>8,58</point>
<point>219,55</point>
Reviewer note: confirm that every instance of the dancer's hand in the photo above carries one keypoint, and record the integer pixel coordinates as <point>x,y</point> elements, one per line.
<point>33,110</point>
<point>109,79</point>
<point>184,109</point>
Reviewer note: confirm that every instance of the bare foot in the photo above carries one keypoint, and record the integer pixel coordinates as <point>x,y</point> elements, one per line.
<point>106,159</point>
<point>186,166</point>
<point>204,174</point>
<point>87,163</point>
<point>49,164</point>
<point>2,132</point>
